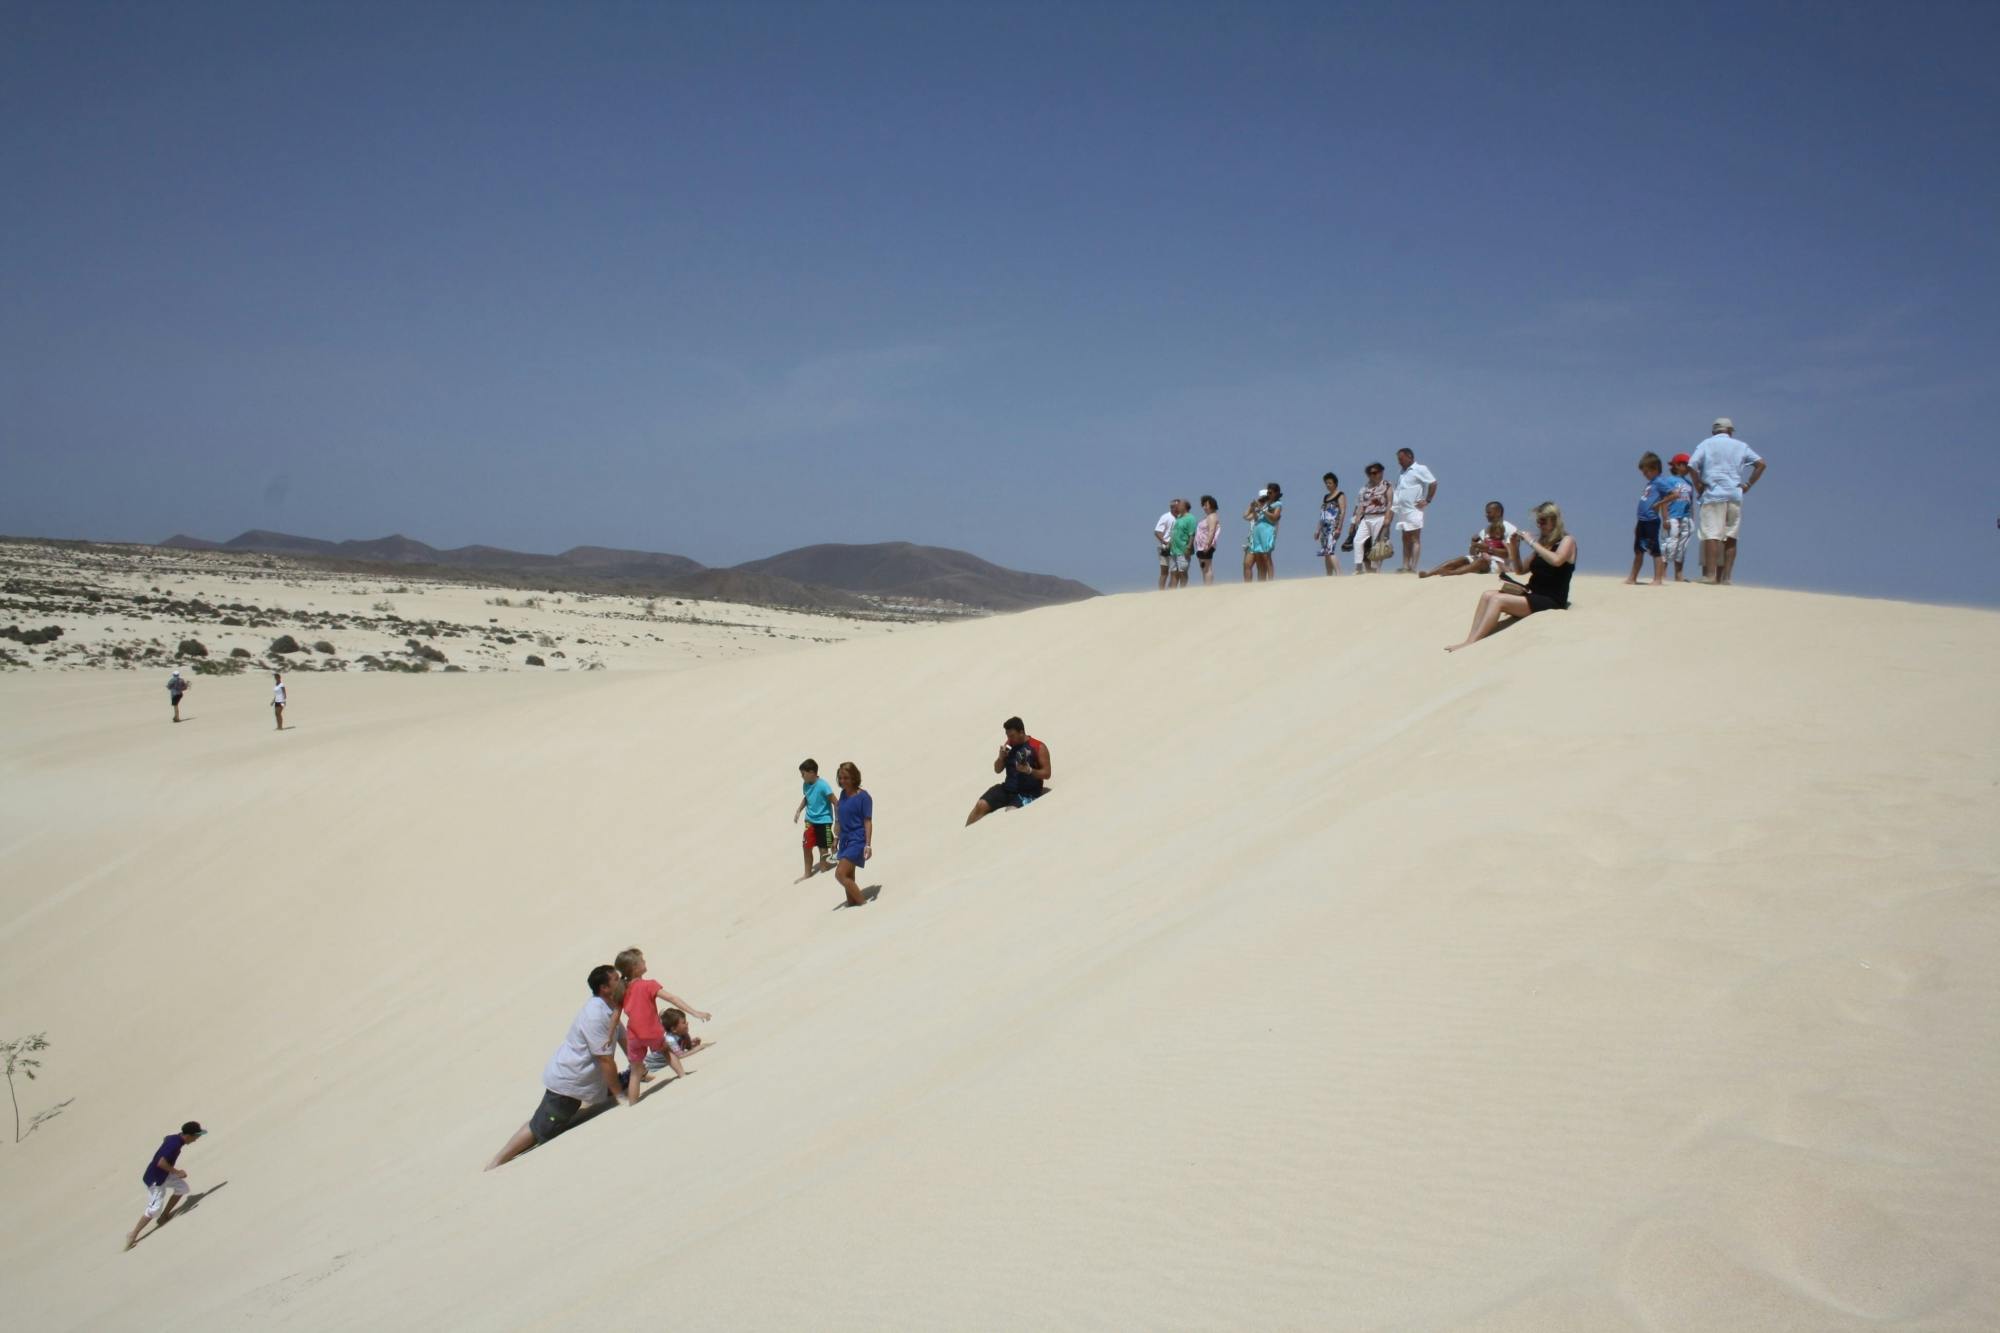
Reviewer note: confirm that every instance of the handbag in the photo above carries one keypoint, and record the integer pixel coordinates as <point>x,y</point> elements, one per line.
<point>1378,551</point>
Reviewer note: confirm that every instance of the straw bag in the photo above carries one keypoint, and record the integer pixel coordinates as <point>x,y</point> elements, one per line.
<point>1378,551</point>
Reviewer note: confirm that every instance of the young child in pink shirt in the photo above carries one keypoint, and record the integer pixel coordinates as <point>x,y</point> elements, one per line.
<point>644,1032</point>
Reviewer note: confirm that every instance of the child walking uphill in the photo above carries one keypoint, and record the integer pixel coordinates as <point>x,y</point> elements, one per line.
<point>679,1043</point>
<point>644,1033</point>
<point>166,1184</point>
<point>817,807</point>
<point>857,831</point>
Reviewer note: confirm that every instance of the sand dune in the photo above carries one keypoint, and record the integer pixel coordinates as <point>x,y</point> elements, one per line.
<point>1637,969</point>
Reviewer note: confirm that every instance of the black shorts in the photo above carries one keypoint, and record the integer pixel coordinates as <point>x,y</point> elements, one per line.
<point>552,1117</point>
<point>1205,556</point>
<point>1646,537</point>
<point>997,797</point>
<point>1539,601</point>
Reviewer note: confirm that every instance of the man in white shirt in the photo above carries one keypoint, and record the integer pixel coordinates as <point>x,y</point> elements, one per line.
<point>1724,469</point>
<point>278,698</point>
<point>582,1073</point>
<point>1162,532</point>
<point>1481,555</point>
<point>1415,489</point>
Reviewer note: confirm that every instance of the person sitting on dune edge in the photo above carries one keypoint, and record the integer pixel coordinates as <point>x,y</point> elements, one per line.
<point>1025,762</point>
<point>1550,562</point>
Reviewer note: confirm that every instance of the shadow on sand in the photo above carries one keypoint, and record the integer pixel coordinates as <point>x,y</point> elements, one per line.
<point>44,1116</point>
<point>188,1205</point>
<point>868,895</point>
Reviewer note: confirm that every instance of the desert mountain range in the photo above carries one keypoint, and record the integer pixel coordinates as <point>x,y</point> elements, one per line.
<point>829,577</point>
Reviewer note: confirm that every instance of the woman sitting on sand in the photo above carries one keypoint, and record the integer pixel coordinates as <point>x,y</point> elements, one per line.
<point>1548,574</point>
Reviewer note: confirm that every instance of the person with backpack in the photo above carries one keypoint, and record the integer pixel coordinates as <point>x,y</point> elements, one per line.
<point>177,685</point>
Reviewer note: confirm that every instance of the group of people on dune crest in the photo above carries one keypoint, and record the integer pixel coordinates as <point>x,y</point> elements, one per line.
<point>1700,491</point>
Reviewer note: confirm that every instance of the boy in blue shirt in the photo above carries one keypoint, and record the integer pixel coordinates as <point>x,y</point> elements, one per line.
<point>817,807</point>
<point>1653,502</point>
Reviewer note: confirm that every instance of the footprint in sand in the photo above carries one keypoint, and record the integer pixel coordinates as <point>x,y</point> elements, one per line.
<point>1787,1249</point>
<point>1861,989</point>
<point>1829,1239</point>
<point>1678,1276</point>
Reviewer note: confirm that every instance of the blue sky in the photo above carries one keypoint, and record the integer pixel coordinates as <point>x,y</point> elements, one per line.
<point>725,279</point>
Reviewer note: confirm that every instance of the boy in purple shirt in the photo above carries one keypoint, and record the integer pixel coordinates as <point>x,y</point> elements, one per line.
<point>166,1184</point>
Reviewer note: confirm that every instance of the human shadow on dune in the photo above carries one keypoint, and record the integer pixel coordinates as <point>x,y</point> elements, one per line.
<point>868,895</point>
<point>194,1200</point>
<point>657,1085</point>
<point>591,1113</point>
<point>187,1206</point>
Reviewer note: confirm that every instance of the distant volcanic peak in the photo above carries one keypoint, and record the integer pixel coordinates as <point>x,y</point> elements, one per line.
<point>905,569</point>
<point>832,576</point>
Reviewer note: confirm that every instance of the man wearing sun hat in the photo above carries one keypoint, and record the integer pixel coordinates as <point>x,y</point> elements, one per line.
<point>1724,470</point>
<point>166,1184</point>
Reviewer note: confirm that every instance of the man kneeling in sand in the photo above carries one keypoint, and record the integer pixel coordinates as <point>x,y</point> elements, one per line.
<point>581,1074</point>
<point>1025,761</point>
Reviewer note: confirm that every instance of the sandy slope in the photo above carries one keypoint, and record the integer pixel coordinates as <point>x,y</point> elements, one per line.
<point>1636,970</point>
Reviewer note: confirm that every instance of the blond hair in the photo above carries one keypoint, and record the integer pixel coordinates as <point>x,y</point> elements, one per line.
<point>1552,511</point>
<point>627,962</point>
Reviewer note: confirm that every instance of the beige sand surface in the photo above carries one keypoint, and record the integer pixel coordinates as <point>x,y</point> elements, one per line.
<point>1638,969</point>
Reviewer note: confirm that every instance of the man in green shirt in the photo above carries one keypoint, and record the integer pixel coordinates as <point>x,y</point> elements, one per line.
<point>1180,544</point>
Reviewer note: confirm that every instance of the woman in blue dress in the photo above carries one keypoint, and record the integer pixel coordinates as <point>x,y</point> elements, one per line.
<point>855,816</point>
<point>1263,515</point>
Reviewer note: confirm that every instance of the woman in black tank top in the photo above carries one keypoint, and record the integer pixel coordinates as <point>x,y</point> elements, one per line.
<point>1552,561</point>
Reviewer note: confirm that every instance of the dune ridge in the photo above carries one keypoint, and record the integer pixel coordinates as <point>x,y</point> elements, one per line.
<point>1635,969</point>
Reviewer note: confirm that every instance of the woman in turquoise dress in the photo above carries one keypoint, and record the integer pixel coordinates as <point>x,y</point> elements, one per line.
<point>1263,515</point>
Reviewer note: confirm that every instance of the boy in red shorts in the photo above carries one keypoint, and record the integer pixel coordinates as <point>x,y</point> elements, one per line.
<point>643,1030</point>
<point>817,807</point>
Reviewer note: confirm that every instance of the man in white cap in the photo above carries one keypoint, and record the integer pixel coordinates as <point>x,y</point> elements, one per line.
<point>177,685</point>
<point>1724,469</point>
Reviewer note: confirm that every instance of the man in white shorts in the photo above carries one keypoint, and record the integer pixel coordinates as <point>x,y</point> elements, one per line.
<point>1724,469</point>
<point>1415,489</point>
<point>166,1184</point>
<point>1162,532</point>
